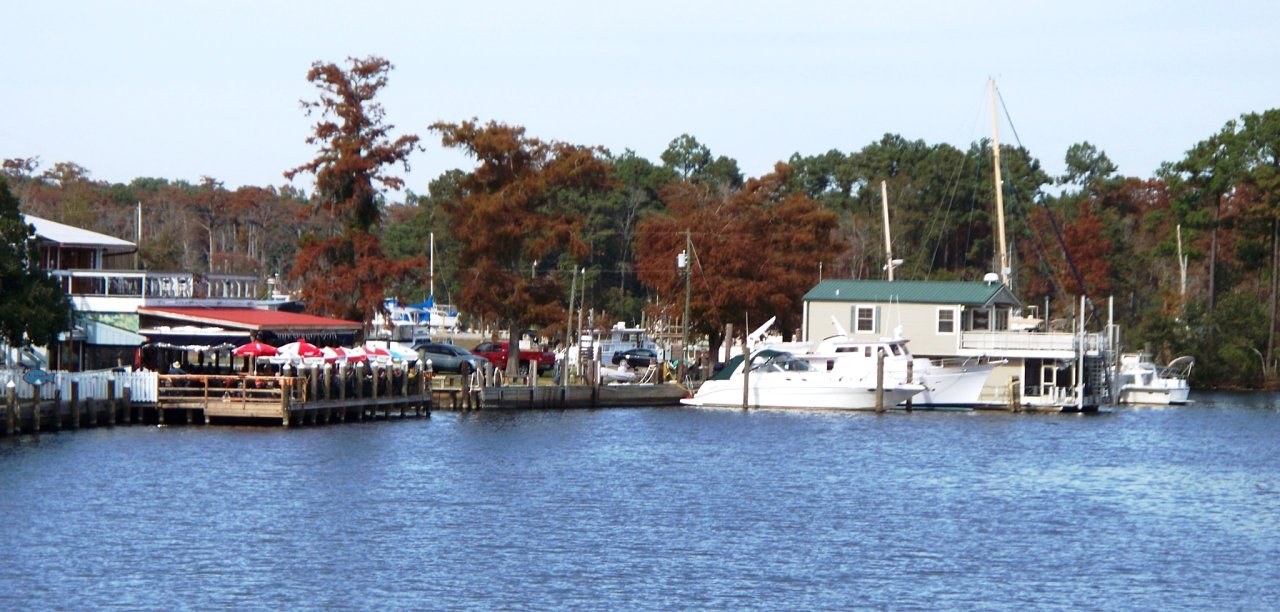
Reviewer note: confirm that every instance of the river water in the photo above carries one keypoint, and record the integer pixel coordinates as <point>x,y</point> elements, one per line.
<point>665,508</point>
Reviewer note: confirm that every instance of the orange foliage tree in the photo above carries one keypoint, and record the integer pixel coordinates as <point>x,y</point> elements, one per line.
<point>755,252</point>
<point>518,207</point>
<point>344,270</point>
<point>1088,247</point>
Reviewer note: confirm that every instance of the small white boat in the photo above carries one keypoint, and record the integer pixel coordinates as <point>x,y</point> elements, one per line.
<point>619,374</point>
<point>777,379</point>
<point>1142,382</point>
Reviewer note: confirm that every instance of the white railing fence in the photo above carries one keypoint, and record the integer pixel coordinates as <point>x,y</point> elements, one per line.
<point>143,385</point>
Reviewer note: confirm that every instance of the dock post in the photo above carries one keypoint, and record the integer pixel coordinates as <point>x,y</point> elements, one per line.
<point>35,395</point>
<point>533,382</point>
<point>593,368</point>
<point>342,381</point>
<point>360,381</point>
<point>746,370</point>
<point>880,381</point>
<point>57,409</point>
<point>111,402</point>
<point>126,397</point>
<point>465,369</point>
<point>75,404</point>
<point>910,371</point>
<point>327,372</point>
<point>10,407</point>
<point>374,370</point>
<point>404,382</point>
<point>286,386</point>
<point>1015,402</point>
<point>424,387</point>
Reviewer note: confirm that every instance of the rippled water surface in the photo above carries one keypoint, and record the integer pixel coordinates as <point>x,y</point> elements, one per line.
<point>1172,508</point>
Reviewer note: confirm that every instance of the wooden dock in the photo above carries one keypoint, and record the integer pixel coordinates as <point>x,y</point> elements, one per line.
<point>312,396</point>
<point>581,396</point>
<point>316,396</point>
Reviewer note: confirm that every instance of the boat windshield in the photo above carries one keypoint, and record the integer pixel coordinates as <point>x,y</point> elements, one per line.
<point>775,361</point>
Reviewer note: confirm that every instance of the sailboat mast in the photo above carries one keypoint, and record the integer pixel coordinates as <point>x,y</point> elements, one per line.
<point>431,273</point>
<point>888,248</point>
<point>995,155</point>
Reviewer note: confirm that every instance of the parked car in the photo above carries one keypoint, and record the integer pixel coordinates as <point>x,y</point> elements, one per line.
<point>636,357</point>
<point>497,352</point>
<point>449,357</point>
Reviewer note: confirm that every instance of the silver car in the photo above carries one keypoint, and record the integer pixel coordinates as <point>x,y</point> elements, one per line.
<point>449,357</point>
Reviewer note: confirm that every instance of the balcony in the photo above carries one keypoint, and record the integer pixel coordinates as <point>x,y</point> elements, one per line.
<point>126,290</point>
<point>1029,344</point>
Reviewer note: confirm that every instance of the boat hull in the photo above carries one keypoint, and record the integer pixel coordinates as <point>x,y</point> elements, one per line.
<point>797,392</point>
<point>1154,396</point>
<point>954,385</point>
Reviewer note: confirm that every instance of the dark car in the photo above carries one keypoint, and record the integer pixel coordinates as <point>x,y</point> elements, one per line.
<point>636,357</point>
<point>448,357</point>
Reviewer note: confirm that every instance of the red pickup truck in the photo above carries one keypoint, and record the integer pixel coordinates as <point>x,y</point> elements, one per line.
<point>497,352</point>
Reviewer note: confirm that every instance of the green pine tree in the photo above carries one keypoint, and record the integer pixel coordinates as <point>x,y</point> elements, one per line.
<point>33,309</point>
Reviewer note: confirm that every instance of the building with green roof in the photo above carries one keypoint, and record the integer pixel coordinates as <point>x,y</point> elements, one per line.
<point>960,319</point>
<point>931,313</point>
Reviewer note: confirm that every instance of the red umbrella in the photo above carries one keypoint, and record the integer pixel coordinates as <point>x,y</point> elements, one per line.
<point>255,349</point>
<point>301,348</point>
<point>356,354</point>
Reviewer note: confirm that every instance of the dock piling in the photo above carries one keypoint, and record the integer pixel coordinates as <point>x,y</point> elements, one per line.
<point>880,381</point>
<point>11,407</point>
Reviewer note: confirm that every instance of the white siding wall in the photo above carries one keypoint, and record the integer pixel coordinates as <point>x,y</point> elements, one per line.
<point>919,324</point>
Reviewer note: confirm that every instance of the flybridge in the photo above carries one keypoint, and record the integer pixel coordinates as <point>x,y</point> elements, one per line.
<point>617,339</point>
<point>413,322</point>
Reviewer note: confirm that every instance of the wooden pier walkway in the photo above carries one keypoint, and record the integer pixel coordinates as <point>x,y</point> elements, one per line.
<point>311,396</point>
<point>316,396</point>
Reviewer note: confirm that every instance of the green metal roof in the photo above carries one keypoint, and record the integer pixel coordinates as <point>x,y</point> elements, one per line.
<point>965,293</point>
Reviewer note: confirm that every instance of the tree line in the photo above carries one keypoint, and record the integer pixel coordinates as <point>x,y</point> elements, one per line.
<point>533,218</point>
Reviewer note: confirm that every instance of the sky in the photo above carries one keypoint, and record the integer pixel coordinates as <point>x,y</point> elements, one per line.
<point>186,89</point>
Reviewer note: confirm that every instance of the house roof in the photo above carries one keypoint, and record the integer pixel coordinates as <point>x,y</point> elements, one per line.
<point>68,236</point>
<point>964,293</point>
<point>252,319</point>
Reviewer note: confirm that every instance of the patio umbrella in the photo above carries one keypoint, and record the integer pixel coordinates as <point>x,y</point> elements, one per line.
<point>378,353</point>
<point>402,354</point>
<point>301,348</point>
<point>332,355</point>
<point>356,354</point>
<point>255,349</point>
<point>252,351</point>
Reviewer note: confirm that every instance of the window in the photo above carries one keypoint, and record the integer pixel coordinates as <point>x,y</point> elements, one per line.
<point>946,321</point>
<point>864,319</point>
<point>981,320</point>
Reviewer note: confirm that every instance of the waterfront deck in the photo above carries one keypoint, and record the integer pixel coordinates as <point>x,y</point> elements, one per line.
<point>319,396</point>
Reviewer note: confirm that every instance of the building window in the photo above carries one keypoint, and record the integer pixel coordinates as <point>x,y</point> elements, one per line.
<point>946,321</point>
<point>864,319</point>
<point>981,320</point>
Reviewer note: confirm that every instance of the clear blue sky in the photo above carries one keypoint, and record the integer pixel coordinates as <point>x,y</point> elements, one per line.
<point>181,90</point>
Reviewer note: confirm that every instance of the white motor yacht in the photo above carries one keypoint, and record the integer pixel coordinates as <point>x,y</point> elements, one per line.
<point>777,379</point>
